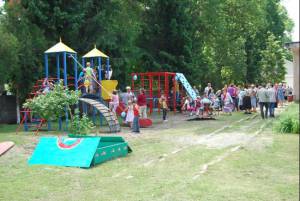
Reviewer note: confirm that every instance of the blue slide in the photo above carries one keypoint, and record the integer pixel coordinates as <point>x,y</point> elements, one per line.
<point>190,91</point>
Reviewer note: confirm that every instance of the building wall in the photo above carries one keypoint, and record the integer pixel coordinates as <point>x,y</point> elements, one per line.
<point>8,113</point>
<point>289,77</point>
<point>296,72</point>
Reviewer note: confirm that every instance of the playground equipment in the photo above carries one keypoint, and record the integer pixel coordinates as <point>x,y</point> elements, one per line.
<point>78,152</point>
<point>158,83</point>
<point>107,114</point>
<point>5,146</point>
<point>64,55</point>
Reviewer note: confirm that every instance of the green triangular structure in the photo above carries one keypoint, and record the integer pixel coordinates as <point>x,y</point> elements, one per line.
<point>78,152</point>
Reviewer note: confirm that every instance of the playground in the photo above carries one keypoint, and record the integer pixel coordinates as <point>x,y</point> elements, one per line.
<point>233,158</point>
<point>83,149</point>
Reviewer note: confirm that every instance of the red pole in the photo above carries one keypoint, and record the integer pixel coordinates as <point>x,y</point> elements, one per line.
<point>150,93</point>
<point>167,86</point>
<point>158,93</point>
<point>174,94</point>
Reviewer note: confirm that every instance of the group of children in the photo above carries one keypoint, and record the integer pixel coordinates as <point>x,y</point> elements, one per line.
<point>131,111</point>
<point>203,106</point>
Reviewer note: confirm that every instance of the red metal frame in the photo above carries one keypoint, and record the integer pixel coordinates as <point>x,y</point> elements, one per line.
<point>152,77</point>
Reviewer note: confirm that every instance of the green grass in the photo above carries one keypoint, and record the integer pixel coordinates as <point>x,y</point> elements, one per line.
<point>265,168</point>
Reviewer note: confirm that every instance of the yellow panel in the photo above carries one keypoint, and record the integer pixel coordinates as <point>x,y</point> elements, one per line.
<point>95,53</point>
<point>107,88</point>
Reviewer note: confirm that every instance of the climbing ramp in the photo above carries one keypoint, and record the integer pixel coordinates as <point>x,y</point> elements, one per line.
<point>109,116</point>
<point>187,86</point>
<point>78,152</point>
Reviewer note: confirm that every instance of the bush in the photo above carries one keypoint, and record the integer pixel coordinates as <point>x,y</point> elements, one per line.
<point>288,125</point>
<point>81,126</point>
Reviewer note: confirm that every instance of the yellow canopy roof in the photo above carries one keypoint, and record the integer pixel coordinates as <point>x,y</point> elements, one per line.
<point>59,47</point>
<point>95,53</point>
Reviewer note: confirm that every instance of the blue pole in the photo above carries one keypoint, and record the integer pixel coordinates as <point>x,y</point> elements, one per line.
<point>65,69</point>
<point>92,62</point>
<point>46,66</point>
<point>100,79</point>
<point>58,79</point>
<point>65,83</point>
<point>107,66</point>
<point>75,69</point>
<point>49,125</point>
<point>25,122</point>
<point>57,66</point>
<point>83,62</point>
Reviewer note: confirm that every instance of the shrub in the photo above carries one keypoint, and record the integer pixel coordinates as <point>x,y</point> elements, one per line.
<point>81,126</point>
<point>288,125</point>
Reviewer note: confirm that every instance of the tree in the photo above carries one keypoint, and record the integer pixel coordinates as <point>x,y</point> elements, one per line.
<point>272,61</point>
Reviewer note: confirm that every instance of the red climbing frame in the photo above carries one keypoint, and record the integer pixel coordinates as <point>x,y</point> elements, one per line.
<point>148,80</point>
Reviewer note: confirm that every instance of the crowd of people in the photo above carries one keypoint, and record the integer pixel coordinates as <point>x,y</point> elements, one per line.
<point>239,98</point>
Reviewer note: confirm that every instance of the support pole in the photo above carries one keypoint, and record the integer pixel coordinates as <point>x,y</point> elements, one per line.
<point>107,67</point>
<point>58,80</point>
<point>100,80</point>
<point>65,83</point>
<point>46,66</point>
<point>158,94</point>
<point>174,93</point>
<point>76,72</point>
<point>57,67</point>
<point>151,94</point>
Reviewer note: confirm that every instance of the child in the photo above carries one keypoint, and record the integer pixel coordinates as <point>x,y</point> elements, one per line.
<point>135,124</point>
<point>186,104</point>
<point>164,105</point>
<point>114,103</point>
<point>129,115</point>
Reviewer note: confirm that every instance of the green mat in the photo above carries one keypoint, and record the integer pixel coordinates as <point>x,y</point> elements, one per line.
<point>78,152</point>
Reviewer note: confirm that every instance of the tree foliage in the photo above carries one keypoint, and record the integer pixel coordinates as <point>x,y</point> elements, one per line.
<point>53,104</point>
<point>196,37</point>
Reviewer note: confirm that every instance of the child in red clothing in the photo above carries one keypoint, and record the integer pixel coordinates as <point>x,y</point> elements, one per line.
<point>135,123</point>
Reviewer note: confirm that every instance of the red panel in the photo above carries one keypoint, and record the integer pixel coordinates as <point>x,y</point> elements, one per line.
<point>144,123</point>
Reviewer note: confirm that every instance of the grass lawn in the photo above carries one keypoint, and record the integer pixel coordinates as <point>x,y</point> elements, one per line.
<point>238,157</point>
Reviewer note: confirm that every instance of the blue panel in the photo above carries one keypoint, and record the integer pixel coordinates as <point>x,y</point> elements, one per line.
<point>63,151</point>
<point>191,92</point>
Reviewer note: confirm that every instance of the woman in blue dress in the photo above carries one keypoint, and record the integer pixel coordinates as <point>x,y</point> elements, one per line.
<point>280,95</point>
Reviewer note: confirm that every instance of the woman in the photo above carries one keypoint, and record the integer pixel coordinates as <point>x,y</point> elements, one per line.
<point>227,101</point>
<point>280,95</point>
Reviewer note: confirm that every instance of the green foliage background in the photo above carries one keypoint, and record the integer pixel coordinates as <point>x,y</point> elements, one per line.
<point>214,41</point>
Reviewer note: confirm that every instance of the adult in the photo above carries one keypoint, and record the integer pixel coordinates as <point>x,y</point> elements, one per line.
<point>252,92</point>
<point>241,96</point>
<point>142,103</point>
<point>263,100</point>
<point>280,95</point>
<point>227,101</point>
<point>128,96</point>
<point>233,93</point>
<point>272,100</point>
<point>208,89</point>
<point>247,101</point>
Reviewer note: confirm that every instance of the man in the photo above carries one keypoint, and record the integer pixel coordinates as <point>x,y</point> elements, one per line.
<point>142,103</point>
<point>272,100</point>
<point>208,89</point>
<point>263,100</point>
